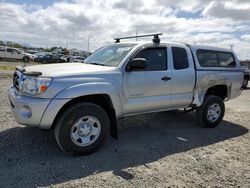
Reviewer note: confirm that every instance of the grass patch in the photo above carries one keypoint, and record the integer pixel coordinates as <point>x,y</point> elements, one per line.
<point>7,67</point>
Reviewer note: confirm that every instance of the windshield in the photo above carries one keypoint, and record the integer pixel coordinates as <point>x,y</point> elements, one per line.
<point>109,55</point>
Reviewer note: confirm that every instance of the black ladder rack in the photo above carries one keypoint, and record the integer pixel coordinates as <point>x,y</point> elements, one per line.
<point>156,38</point>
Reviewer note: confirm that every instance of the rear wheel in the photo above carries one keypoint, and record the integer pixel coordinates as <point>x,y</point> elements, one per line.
<point>211,113</point>
<point>82,128</point>
<point>245,83</point>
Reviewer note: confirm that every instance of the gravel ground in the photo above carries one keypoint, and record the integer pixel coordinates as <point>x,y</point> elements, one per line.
<point>166,149</point>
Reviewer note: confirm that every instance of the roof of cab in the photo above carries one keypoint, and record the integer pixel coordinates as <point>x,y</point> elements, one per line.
<point>192,46</point>
<point>147,43</point>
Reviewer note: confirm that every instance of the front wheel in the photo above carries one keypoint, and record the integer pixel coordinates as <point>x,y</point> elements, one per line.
<point>26,59</point>
<point>211,112</point>
<point>82,128</point>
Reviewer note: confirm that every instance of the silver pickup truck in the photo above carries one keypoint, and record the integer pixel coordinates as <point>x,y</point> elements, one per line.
<point>14,54</point>
<point>82,101</point>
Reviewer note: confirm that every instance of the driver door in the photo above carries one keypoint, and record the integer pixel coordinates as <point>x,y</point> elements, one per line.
<point>9,53</point>
<point>149,89</point>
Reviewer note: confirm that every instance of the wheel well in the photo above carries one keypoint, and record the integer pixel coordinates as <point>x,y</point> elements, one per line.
<point>218,90</point>
<point>103,100</point>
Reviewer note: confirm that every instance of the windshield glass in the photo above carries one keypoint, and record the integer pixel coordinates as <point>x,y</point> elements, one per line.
<point>109,55</point>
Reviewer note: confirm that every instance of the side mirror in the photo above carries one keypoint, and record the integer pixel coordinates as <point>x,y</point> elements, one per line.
<point>137,64</point>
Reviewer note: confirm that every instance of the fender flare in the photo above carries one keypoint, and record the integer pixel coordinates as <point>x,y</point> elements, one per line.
<point>207,82</point>
<point>86,89</point>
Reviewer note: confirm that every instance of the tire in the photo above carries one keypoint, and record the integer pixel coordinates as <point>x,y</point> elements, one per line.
<point>211,112</point>
<point>26,59</point>
<point>71,130</point>
<point>245,83</point>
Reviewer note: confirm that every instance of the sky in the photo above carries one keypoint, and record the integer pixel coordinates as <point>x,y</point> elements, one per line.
<point>71,23</point>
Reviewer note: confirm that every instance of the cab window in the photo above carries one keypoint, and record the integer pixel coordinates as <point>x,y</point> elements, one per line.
<point>180,58</point>
<point>156,58</point>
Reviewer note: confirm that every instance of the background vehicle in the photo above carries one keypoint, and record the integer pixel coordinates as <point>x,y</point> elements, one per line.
<point>66,57</point>
<point>78,59</point>
<point>82,101</point>
<point>13,53</point>
<point>49,58</point>
<point>246,77</point>
<point>39,57</point>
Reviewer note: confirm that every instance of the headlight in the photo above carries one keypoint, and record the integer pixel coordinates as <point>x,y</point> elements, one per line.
<point>34,85</point>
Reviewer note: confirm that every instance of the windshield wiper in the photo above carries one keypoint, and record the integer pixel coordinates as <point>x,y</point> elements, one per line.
<point>97,64</point>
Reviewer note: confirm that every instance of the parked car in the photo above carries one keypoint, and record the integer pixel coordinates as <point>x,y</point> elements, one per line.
<point>66,57</point>
<point>49,58</point>
<point>78,59</point>
<point>82,101</point>
<point>14,53</point>
<point>39,57</point>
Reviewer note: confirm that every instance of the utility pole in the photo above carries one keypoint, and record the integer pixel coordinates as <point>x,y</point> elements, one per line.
<point>88,44</point>
<point>73,37</point>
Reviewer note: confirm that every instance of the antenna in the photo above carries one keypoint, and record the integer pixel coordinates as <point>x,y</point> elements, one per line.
<point>136,33</point>
<point>231,46</point>
<point>156,38</point>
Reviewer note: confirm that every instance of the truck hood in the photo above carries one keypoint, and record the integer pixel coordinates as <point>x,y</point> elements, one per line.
<point>68,69</point>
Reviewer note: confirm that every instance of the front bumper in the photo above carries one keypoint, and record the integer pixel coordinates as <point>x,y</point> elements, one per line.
<point>27,110</point>
<point>34,112</point>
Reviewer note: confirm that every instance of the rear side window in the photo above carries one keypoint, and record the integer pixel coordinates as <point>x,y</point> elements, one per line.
<point>210,58</point>
<point>180,58</point>
<point>226,59</point>
<point>156,58</point>
<point>207,58</point>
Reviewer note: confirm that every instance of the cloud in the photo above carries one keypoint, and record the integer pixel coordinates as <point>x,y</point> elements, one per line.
<point>228,10</point>
<point>245,38</point>
<point>198,21</point>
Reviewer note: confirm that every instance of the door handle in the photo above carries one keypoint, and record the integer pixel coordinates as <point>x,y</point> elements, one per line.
<point>165,78</point>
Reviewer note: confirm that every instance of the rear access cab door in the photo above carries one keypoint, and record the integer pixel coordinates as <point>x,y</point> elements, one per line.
<point>183,76</point>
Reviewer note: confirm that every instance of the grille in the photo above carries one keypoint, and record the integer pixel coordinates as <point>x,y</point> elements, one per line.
<point>16,81</point>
